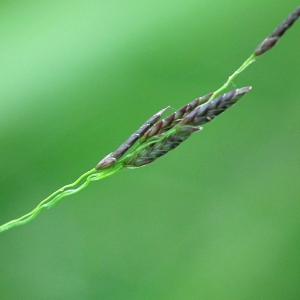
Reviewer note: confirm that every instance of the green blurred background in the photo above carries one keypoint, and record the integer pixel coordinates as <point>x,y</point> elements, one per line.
<point>216,219</point>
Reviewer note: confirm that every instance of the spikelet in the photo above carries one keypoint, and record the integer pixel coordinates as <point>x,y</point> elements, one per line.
<point>184,126</point>
<point>148,154</point>
<point>169,122</point>
<point>273,39</point>
<point>208,111</point>
<point>113,157</point>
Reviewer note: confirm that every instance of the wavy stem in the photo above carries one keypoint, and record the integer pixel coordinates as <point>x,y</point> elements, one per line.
<point>79,184</point>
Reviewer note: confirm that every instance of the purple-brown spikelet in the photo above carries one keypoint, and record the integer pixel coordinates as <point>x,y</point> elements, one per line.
<point>113,157</point>
<point>150,153</point>
<point>184,126</point>
<point>273,39</point>
<point>208,111</point>
<point>169,122</point>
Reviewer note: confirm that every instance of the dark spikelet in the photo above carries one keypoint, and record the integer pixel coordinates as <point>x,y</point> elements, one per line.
<point>153,151</point>
<point>208,111</point>
<point>170,132</point>
<point>113,157</point>
<point>273,39</point>
<point>169,122</point>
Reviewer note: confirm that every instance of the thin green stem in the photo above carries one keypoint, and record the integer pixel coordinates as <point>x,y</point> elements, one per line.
<point>81,183</point>
<point>249,61</point>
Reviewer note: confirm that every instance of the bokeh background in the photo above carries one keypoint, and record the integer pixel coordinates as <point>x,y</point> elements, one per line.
<point>216,219</point>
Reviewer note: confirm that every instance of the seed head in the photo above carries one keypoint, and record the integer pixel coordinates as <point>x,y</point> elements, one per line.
<point>160,143</point>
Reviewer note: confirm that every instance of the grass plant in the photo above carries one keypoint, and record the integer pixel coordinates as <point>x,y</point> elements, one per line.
<point>157,136</point>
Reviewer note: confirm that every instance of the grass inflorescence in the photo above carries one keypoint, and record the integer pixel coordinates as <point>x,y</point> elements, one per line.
<point>157,136</point>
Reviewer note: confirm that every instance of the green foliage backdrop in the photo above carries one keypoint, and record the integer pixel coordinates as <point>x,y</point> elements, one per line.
<point>216,219</point>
